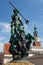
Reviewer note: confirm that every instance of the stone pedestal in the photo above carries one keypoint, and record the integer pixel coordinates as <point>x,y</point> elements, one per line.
<point>19,63</point>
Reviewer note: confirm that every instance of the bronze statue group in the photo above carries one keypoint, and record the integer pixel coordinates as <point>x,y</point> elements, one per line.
<point>19,40</point>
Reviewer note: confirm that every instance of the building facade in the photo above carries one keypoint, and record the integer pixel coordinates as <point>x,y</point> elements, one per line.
<point>37,40</point>
<point>7,55</point>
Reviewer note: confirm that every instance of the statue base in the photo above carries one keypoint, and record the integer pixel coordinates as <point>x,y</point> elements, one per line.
<point>19,63</point>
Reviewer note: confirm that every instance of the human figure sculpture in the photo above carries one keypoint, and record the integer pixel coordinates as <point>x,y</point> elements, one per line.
<point>20,41</point>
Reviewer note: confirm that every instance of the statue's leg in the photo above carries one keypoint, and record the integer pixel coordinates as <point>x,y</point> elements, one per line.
<point>13,56</point>
<point>28,45</point>
<point>28,38</point>
<point>23,52</point>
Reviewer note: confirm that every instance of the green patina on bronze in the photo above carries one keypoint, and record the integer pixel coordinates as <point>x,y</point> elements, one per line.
<point>20,41</point>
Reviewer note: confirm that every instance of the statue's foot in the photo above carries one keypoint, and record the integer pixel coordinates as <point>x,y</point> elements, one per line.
<point>16,57</point>
<point>25,54</point>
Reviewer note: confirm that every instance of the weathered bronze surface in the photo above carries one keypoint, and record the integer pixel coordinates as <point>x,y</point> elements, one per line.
<point>20,41</point>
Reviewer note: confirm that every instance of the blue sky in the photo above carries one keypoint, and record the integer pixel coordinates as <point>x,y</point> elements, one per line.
<point>30,9</point>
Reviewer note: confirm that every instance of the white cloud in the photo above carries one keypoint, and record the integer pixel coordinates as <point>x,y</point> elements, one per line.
<point>41,40</point>
<point>2,38</point>
<point>5,27</point>
<point>1,47</point>
<point>26,28</point>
